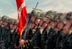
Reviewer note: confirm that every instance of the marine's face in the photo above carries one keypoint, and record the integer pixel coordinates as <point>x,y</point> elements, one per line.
<point>5,23</point>
<point>37,21</point>
<point>32,25</point>
<point>44,25</point>
<point>41,21</point>
<point>66,29</point>
<point>33,18</point>
<point>52,24</point>
<point>15,26</point>
<point>60,25</point>
<point>11,26</point>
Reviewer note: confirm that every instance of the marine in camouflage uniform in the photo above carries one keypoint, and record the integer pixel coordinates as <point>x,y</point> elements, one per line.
<point>13,35</point>
<point>4,33</point>
<point>68,42</point>
<point>27,36</point>
<point>51,33</point>
<point>62,40</point>
<point>30,34</point>
<point>36,40</point>
<point>43,32</point>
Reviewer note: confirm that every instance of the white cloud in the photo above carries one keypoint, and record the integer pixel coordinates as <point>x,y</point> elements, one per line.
<point>13,15</point>
<point>57,5</point>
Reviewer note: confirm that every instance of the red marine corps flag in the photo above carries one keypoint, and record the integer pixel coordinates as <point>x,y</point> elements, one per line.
<point>22,13</point>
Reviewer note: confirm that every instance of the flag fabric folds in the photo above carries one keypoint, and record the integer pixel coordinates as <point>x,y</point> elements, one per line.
<point>22,13</point>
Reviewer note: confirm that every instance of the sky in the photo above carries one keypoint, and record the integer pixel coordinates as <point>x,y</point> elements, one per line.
<point>8,7</point>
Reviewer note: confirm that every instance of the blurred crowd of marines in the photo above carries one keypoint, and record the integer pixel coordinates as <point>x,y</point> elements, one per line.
<point>42,32</point>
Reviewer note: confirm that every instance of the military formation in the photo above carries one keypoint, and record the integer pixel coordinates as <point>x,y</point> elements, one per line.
<point>42,32</point>
<point>48,32</point>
